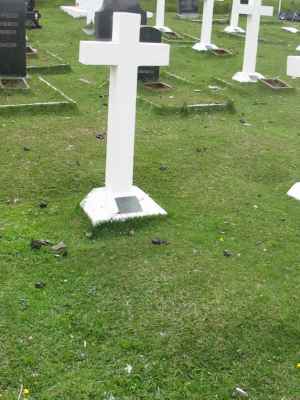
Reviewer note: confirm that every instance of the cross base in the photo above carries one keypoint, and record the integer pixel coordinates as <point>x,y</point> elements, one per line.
<point>101,205</point>
<point>295,191</point>
<point>74,12</point>
<point>234,29</point>
<point>245,77</point>
<point>204,46</point>
<point>163,29</point>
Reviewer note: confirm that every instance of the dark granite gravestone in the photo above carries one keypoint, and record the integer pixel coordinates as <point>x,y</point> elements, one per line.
<point>12,39</point>
<point>104,17</point>
<point>151,35</point>
<point>187,7</point>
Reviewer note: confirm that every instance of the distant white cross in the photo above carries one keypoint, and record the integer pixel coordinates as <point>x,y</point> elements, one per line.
<point>83,8</point>
<point>233,26</point>
<point>160,17</point>
<point>92,7</point>
<point>254,10</point>
<point>119,199</point>
<point>206,29</point>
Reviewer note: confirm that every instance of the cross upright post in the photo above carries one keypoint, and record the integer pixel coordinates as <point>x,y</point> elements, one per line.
<point>206,29</point>
<point>119,199</point>
<point>254,10</point>
<point>92,7</point>
<point>160,17</point>
<point>233,26</point>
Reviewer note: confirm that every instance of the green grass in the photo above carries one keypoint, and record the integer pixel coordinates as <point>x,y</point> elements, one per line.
<point>46,62</point>
<point>192,323</point>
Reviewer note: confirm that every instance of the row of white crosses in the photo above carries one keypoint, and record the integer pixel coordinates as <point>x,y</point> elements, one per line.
<point>254,10</point>
<point>119,199</point>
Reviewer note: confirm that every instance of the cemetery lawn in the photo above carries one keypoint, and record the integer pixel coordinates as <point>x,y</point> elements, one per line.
<point>119,317</point>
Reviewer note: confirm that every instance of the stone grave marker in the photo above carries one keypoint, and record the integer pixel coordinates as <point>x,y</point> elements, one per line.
<point>104,17</point>
<point>187,9</point>
<point>12,40</point>
<point>120,199</point>
<point>149,34</point>
<point>254,10</point>
<point>205,43</point>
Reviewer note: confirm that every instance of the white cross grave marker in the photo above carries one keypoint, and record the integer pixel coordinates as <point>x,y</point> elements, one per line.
<point>233,26</point>
<point>254,10</point>
<point>83,8</point>
<point>119,199</point>
<point>160,17</point>
<point>206,29</point>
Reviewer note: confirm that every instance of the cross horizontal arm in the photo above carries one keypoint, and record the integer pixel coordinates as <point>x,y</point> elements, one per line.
<point>99,53</point>
<point>245,9</point>
<point>114,54</point>
<point>265,11</point>
<point>149,54</point>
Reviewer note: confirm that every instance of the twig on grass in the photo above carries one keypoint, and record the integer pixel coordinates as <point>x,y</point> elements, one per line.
<point>20,392</point>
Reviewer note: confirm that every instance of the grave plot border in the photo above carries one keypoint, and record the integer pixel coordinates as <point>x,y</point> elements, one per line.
<point>60,67</point>
<point>182,38</point>
<point>221,20</point>
<point>65,104</point>
<point>265,82</point>
<point>186,109</point>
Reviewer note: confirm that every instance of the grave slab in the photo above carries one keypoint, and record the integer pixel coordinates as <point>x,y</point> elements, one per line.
<point>290,29</point>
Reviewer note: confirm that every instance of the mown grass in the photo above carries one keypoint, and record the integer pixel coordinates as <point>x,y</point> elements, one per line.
<point>192,323</point>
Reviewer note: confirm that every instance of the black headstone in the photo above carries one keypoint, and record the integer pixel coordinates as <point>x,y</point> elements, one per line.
<point>150,35</point>
<point>104,17</point>
<point>12,39</point>
<point>187,6</point>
